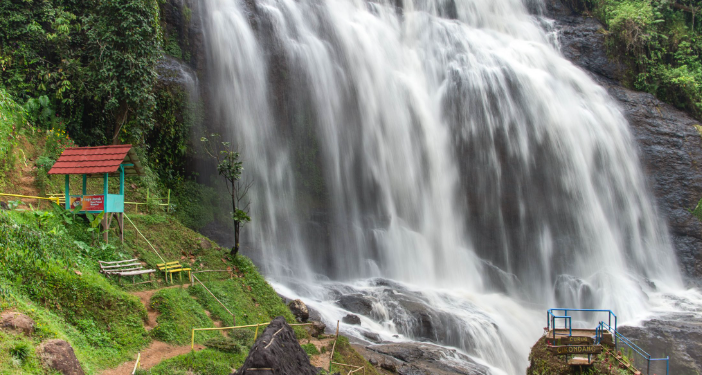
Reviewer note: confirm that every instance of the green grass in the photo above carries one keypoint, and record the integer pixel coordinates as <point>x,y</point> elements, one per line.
<point>310,349</point>
<point>345,353</point>
<point>179,314</point>
<point>203,362</point>
<point>45,277</point>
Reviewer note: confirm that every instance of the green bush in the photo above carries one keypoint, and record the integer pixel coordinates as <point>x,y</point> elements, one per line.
<point>659,41</point>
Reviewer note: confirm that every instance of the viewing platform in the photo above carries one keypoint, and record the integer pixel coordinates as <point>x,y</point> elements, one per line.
<point>584,347</point>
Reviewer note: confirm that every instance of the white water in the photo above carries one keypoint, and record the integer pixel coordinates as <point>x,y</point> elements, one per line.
<point>447,146</point>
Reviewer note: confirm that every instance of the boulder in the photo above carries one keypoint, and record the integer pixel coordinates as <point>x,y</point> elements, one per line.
<point>677,335</point>
<point>299,309</point>
<point>356,303</point>
<point>278,350</point>
<point>420,359</point>
<point>351,319</point>
<point>372,336</point>
<point>58,355</point>
<point>17,322</point>
<point>316,329</point>
<point>205,244</point>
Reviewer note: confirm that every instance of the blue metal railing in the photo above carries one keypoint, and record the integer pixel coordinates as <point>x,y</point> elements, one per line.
<point>621,340</point>
<point>551,318</point>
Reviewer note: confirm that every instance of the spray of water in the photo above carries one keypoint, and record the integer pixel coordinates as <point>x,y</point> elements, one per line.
<point>434,153</point>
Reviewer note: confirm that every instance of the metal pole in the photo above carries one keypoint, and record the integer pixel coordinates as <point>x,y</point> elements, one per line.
<point>67,203</point>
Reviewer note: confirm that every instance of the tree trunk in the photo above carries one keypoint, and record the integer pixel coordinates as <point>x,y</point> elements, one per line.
<point>120,119</point>
<point>235,249</point>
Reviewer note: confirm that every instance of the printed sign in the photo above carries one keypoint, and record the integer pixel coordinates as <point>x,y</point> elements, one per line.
<point>570,340</point>
<point>89,202</point>
<point>577,349</point>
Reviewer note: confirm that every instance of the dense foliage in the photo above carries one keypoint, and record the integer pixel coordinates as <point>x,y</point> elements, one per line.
<point>659,41</point>
<point>88,62</point>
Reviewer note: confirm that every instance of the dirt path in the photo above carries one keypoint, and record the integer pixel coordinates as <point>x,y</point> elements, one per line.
<point>151,356</point>
<point>158,350</point>
<point>145,298</point>
<point>320,360</point>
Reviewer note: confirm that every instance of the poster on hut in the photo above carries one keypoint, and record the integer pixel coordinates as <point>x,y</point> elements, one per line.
<point>89,202</point>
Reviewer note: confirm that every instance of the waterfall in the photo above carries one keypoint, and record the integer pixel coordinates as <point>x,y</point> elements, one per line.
<point>442,150</point>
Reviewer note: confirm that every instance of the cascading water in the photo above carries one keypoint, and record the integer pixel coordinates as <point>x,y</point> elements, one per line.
<point>440,159</point>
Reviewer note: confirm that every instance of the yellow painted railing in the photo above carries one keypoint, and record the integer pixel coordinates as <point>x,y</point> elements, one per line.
<point>192,338</point>
<point>53,199</point>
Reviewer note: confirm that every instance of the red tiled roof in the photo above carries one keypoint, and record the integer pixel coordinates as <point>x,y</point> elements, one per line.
<point>94,160</point>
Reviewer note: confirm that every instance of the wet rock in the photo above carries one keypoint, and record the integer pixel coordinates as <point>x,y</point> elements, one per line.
<point>279,350</point>
<point>356,303</point>
<point>17,322</point>
<point>678,336</point>
<point>372,336</point>
<point>299,309</point>
<point>59,355</point>
<point>670,146</point>
<point>351,319</point>
<point>583,42</point>
<point>421,359</point>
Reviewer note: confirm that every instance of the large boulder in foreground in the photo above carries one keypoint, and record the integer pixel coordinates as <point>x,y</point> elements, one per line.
<point>277,350</point>
<point>17,322</point>
<point>58,355</point>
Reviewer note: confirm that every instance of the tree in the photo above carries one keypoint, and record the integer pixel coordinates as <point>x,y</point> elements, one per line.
<point>230,168</point>
<point>124,37</point>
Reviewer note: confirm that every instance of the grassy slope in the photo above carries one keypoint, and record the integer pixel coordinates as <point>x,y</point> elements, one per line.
<point>49,271</point>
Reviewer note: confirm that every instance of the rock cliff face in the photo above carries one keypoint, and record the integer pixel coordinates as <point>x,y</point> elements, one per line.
<point>669,145</point>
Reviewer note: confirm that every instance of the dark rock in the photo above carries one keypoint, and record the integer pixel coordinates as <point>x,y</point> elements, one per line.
<point>299,309</point>
<point>351,319</point>
<point>356,303</point>
<point>669,145</point>
<point>279,350</point>
<point>17,322</point>
<point>582,41</point>
<point>316,329</point>
<point>372,336</point>
<point>59,355</point>
<point>421,359</point>
<point>679,337</point>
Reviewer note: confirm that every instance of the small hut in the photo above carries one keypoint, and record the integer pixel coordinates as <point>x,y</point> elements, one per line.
<point>99,162</point>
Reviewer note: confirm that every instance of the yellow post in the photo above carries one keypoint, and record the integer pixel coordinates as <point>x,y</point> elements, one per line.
<point>192,341</point>
<point>256,334</point>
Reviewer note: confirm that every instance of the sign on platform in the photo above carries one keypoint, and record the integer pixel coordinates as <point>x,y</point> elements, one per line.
<point>570,340</point>
<point>89,202</point>
<point>576,349</point>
